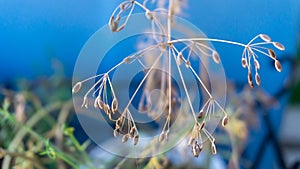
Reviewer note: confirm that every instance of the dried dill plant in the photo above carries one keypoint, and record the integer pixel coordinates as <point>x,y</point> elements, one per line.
<point>171,51</point>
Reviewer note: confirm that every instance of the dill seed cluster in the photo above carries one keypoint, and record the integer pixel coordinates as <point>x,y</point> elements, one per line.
<point>172,50</point>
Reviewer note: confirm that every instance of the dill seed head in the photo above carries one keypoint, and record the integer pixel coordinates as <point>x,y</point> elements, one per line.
<point>213,148</point>
<point>77,87</point>
<point>250,81</point>
<point>225,121</point>
<point>265,37</point>
<point>278,45</point>
<point>216,57</point>
<point>114,105</point>
<point>278,66</point>
<point>136,139</point>
<point>272,53</point>
<point>161,136</point>
<point>125,138</point>
<point>257,79</point>
<point>244,62</point>
<point>256,63</point>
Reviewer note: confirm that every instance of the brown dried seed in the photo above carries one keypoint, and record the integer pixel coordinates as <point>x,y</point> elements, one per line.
<point>213,148</point>
<point>136,139</point>
<point>100,104</point>
<point>149,15</point>
<point>77,87</point>
<point>265,37</point>
<point>244,62</point>
<point>256,63</point>
<point>195,151</point>
<point>127,59</point>
<point>161,137</point>
<point>96,103</point>
<point>279,45</point>
<point>113,25</point>
<point>272,53</point>
<point>132,131</point>
<point>278,66</point>
<point>257,79</point>
<point>120,28</point>
<point>125,138</point>
<point>179,58</point>
<point>187,64</point>
<point>250,81</point>
<point>216,57</point>
<point>114,105</point>
<point>200,115</point>
<point>225,121</point>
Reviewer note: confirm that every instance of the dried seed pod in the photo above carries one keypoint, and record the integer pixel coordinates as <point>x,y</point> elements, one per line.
<point>107,109</point>
<point>272,53</point>
<point>216,57</point>
<point>100,104</point>
<point>179,58</point>
<point>85,102</point>
<point>116,132</point>
<point>244,62</point>
<point>256,63</point>
<point>77,87</point>
<point>257,79</point>
<point>250,81</point>
<point>113,25</point>
<point>136,139</point>
<point>265,37</point>
<point>200,115</point>
<point>125,138</point>
<point>161,136</point>
<point>119,122</point>
<point>149,15</point>
<point>278,66</point>
<point>96,102</point>
<point>120,28</point>
<point>278,45</point>
<point>132,132</point>
<point>213,148</point>
<point>127,59</point>
<point>225,121</point>
<point>187,64</point>
<point>114,105</point>
<point>195,151</point>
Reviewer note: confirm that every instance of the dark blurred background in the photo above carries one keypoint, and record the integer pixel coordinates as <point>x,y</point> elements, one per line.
<point>36,35</point>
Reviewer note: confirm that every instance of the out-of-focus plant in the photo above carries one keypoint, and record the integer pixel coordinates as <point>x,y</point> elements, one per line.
<point>295,97</point>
